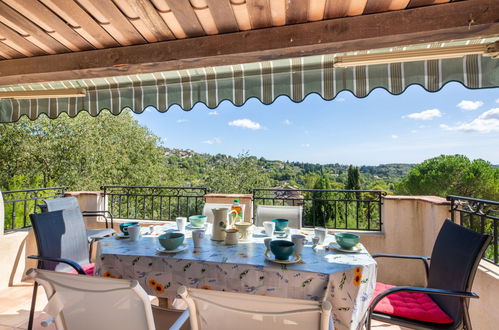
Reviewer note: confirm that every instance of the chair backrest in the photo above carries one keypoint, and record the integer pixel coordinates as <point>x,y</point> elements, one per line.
<point>269,212</point>
<point>79,302</point>
<point>209,206</point>
<point>61,234</point>
<point>454,261</point>
<point>56,204</point>
<point>210,310</point>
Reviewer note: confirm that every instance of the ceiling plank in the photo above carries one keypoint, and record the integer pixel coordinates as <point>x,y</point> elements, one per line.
<point>7,52</point>
<point>390,29</point>
<point>113,21</point>
<point>223,15</point>
<point>186,17</point>
<point>377,6</point>
<point>335,9</point>
<point>34,34</point>
<point>259,12</point>
<point>296,11</point>
<point>146,19</point>
<point>51,23</point>
<point>17,42</point>
<point>81,22</point>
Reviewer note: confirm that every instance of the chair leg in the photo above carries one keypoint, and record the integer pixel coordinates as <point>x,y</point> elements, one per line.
<point>33,305</point>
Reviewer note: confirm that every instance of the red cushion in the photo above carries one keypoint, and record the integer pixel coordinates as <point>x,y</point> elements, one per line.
<point>88,269</point>
<point>410,305</point>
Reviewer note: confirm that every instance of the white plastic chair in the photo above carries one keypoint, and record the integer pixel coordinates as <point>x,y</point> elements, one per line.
<point>269,212</point>
<point>209,206</point>
<point>219,310</point>
<point>77,302</point>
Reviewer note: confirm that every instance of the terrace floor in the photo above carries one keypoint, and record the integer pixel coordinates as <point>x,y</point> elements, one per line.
<point>15,303</point>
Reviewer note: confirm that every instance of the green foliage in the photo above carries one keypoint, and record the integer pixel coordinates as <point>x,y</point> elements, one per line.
<point>353,178</point>
<point>452,175</point>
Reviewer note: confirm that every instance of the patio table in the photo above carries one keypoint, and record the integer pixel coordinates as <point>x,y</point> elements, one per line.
<point>347,280</point>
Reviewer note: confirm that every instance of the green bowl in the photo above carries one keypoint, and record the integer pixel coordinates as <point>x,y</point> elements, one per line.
<point>347,240</point>
<point>198,221</point>
<point>282,249</point>
<point>171,241</point>
<point>124,225</point>
<point>280,224</point>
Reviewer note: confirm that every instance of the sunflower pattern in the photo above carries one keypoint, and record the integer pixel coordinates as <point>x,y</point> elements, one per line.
<point>346,280</point>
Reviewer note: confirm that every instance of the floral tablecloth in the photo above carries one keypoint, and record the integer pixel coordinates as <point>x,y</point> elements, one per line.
<point>347,280</point>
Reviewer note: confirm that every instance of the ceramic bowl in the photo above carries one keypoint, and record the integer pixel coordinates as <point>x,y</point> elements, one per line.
<point>197,221</point>
<point>280,224</point>
<point>171,241</point>
<point>282,249</point>
<point>347,240</point>
<point>124,225</point>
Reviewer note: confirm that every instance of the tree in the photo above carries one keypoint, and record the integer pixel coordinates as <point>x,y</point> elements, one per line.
<point>82,153</point>
<point>452,175</point>
<point>353,178</point>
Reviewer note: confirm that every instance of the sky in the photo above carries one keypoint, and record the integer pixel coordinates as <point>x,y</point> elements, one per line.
<point>378,129</point>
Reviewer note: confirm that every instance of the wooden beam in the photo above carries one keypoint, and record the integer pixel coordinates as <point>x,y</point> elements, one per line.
<point>455,20</point>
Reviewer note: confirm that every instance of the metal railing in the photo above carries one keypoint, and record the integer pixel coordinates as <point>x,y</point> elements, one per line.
<point>341,209</point>
<point>479,215</point>
<point>153,203</point>
<point>19,204</point>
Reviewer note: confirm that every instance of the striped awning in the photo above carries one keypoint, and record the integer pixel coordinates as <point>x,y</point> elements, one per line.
<point>295,78</point>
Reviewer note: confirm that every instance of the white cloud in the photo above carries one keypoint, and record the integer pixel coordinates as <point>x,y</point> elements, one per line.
<point>213,113</point>
<point>287,122</point>
<point>424,115</point>
<point>423,126</point>
<point>340,99</point>
<point>245,123</point>
<point>305,145</point>
<point>485,123</point>
<point>182,121</point>
<point>469,105</point>
<point>215,140</point>
<point>497,101</point>
<point>414,131</point>
<point>395,136</point>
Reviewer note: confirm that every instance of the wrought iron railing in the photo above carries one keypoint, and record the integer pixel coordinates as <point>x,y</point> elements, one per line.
<point>479,215</point>
<point>19,204</point>
<point>341,209</point>
<point>154,203</point>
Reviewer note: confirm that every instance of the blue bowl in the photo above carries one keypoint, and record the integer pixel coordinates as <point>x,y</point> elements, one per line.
<point>198,221</point>
<point>282,249</point>
<point>171,241</point>
<point>280,224</point>
<point>347,240</point>
<point>124,226</point>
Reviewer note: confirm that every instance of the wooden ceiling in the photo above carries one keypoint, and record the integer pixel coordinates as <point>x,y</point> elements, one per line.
<point>49,40</point>
<point>43,27</point>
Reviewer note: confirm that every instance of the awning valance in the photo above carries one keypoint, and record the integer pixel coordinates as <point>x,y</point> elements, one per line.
<point>295,78</point>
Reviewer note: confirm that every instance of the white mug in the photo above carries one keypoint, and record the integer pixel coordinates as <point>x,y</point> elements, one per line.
<point>181,223</point>
<point>197,236</point>
<point>269,227</point>
<point>321,233</point>
<point>134,232</point>
<point>299,241</point>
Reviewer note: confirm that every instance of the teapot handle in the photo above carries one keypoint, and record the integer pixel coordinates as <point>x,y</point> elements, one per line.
<point>230,224</point>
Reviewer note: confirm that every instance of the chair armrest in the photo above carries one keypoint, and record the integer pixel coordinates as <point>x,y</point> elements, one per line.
<point>425,260</point>
<point>102,213</point>
<point>180,321</point>
<point>71,263</point>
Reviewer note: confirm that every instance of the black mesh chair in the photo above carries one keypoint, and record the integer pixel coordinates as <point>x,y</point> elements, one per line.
<point>56,204</point>
<point>62,245</point>
<point>454,261</point>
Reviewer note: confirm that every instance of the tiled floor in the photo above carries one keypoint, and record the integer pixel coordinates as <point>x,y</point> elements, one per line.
<point>15,304</point>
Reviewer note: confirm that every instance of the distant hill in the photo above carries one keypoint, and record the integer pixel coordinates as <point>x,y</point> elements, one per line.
<point>285,172</point>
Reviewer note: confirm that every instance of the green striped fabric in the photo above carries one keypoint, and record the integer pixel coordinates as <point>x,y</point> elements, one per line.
<point>295,78</point>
